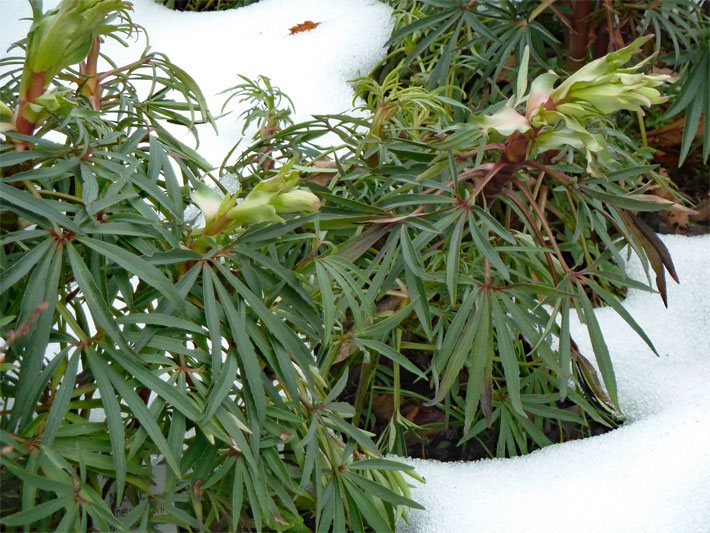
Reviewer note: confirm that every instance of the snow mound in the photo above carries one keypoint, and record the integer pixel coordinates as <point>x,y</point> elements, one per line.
<point>313,67</point>
<point>652,474</point>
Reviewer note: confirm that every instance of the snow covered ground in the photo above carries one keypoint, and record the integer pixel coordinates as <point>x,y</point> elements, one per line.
<point>651,475</point>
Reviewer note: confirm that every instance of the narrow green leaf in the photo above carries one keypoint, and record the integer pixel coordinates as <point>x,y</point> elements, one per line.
<point>381,492</point>
<point>89,185</point>
<point>508,358</point>
<point>60,405</point>
<point>412,273</point>
<point>141,412</point>
<point>237,493</point>
<point>428,40</point>
<point>379,464</point>
<point>137,266</point>
<point>100,311</point>
<point>37,513</point>
<point>613,302</point>
<point>328,302</point>
<point>22,267</point>
<point>485,248</point>
<point>222,385</point>
<point>249,360</point>
<point>12,196</point>
<point>391,354</point>
<point>160,319</point>
<point>212,317</point>
<point>112,410</point>
<point>453,259</point>
<point>161,388</point>
<point>365,506</point>
<point>464,344</point>
<point>601,352</point>
<point>565,349</point>
<point>42,287</point>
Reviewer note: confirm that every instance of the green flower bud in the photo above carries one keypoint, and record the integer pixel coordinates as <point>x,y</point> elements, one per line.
<point>277,184</point>
<point>264,203</point>
<point>253,211</point>
<point>297,201</point>
<point>63,36</point>
<point>594,71</point>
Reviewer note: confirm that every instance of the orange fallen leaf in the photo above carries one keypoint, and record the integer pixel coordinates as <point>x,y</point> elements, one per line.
<point>304,26</point>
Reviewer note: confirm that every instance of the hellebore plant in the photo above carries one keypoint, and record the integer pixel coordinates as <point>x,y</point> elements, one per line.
<point>451,263</point>
<point>555,116</point>
<point>128,341</point>
<point>266,201</point>
<point>57,40</point>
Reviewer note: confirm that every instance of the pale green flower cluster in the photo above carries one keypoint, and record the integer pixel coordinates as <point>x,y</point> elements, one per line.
<point>555,116</point>
<point>266,202</point>
<point>63,37</point>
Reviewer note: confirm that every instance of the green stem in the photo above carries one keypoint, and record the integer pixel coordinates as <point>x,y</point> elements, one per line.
<point>642,128</point>
<point>71,322</point>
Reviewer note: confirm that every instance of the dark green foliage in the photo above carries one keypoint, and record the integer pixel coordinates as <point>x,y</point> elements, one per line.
<point>128,342</point>
<point>445,289</point>
<point>428,303</point>
<point>205,5</point>
<point>477,46</point>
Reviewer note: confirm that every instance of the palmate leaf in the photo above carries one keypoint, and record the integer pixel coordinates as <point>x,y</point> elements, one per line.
<point>37,513</point>
<point>148,379</point>
<point>285,336</point>
<point>140,411</point>
<point>461,337</point>
<point>341,273</point>
<point>95,300</point>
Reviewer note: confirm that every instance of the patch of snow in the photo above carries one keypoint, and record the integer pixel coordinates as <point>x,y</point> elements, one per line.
<point>652,474</point>
<point>314,68</point>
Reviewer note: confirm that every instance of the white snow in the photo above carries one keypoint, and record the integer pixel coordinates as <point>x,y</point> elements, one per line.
<point>313,68</point>
<point>653,474</point>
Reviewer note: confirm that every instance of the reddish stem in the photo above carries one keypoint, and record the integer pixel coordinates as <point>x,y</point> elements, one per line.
<point>23,125</point>
<point>91,87</point>
<point>579,38</point>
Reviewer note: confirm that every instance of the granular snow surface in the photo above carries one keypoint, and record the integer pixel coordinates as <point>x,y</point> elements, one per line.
<point>653,474</point>
<point>314,68</point>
